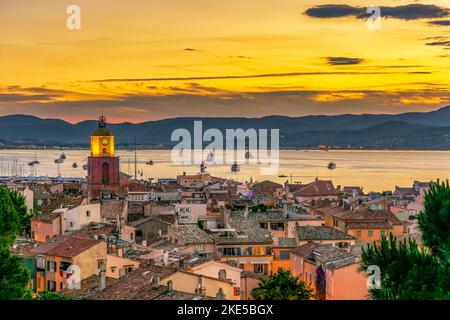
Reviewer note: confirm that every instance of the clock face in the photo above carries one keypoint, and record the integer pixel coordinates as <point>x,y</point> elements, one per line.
<point>105,141</point>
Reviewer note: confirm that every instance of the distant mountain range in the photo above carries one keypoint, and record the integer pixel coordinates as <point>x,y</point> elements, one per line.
<point>424,130</point>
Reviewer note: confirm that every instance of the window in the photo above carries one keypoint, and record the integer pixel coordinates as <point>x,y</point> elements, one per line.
<point>51,285</point>
<point>64,265</point>
<point>259,268</point>
<point>284,255</point>
<point>88,213</point>
<point>358,233</point>
<point>370,233</point>
<point>277,226</point>
<point>383,233</point>
<point>51,266</point>
<point>71,224</point>
<point>40,264</point>
<point>222,274</point>
<point>131,236</point>
<point>231,251</point>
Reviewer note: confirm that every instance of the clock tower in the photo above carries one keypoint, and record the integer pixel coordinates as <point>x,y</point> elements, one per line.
<point>103,165</point>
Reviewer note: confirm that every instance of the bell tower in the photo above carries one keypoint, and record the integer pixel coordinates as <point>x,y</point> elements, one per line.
<point>103,165</point>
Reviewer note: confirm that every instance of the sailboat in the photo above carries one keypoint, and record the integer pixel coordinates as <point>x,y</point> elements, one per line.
<point>34,162</point>
<point>210,157</point>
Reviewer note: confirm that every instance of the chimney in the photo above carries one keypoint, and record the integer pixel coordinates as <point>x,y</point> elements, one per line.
<point>166,257</point>
<point>102,271</point>
<point>102,281</point>
<point>169,286</point>
<point>386,204</point>
<point>226,219</point>
<point>154,280</point>
<point>220,295</point>
<point>181,263</point>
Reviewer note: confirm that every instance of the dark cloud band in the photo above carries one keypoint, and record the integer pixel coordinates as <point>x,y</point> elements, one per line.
<point>406,12</point>
<point>338,61</point>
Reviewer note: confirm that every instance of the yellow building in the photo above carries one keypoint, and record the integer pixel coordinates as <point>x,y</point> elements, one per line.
<point>66,259</point>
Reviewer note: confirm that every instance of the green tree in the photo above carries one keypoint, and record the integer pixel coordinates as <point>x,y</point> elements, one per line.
<point>10,220</point>
<point>434,220</point>
<point>47,295</point>
<point>14,277</point>
<point>283,286</point>
<point>407,273</point>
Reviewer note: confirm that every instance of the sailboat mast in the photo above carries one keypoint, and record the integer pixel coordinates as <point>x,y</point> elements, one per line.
<point>135,159</point>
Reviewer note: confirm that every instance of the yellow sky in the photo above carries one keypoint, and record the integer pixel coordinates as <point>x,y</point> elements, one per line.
<point>125,51</point>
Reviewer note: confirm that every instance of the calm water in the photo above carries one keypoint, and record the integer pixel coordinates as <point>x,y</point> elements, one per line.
<point>373,170</point>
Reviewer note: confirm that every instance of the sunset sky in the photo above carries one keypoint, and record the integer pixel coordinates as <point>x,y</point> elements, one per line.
<point>151,59</point>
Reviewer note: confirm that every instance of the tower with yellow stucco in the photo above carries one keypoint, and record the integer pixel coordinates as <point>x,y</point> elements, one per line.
<point>103,165</point>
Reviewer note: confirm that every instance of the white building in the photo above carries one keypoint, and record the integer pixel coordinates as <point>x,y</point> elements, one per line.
<point>74,219</point>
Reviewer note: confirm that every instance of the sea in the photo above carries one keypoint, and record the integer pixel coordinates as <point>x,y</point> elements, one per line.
<point>374,170</point>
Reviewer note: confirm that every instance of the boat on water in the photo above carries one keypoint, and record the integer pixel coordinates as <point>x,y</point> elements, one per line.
<point>62,156</point>
<point>74,165</point>
<point>282,176</point>
<point>34,162</point>
<point>150,163</point>
<point>235,167</point>
<point>210,157</point>
<point>59,160</point>
<point>332,165</point>
<point>85,166</point>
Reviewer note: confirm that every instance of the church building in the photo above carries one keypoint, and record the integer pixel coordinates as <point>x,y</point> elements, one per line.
<point>103,165</point>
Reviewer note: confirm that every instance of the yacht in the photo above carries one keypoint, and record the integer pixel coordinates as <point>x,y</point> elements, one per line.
<point>332,165</point>
<point>74,165</point>
<point>235,167</point>
<point>202,167</point>
<point>150,163</point>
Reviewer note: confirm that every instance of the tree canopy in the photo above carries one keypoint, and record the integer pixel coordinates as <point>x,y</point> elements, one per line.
<point>407,273</point>
<point>14,276</point>
<point>283,286</point>
<point>434,220</point>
